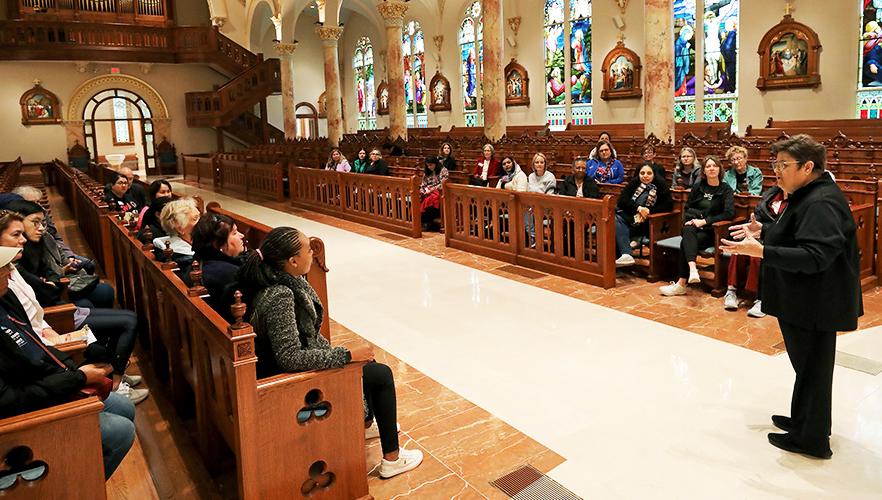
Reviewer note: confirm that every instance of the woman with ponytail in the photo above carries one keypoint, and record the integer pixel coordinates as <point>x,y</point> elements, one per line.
<point>287,319</point>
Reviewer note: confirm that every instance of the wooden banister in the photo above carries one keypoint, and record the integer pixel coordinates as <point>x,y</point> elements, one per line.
<point>219,107</point>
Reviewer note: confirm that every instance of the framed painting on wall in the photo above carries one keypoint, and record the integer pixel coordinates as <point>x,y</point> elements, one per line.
<point>382,99</point>
<point>621,74</point>
<point>39,107</point>
<point>789,55</point>
<point>517,85</point>
<point>439,90</point>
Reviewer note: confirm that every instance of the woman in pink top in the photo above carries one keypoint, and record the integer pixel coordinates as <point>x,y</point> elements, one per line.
<point>337,162</point>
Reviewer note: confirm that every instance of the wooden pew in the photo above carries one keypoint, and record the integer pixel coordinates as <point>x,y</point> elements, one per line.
<point>251,179</point>
<point>199,168</point>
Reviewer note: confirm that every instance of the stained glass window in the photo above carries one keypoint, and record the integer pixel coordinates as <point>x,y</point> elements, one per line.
<point>363,64</point>
<point>414,50</point>
<point>555,74</point>
<point>720,60</point>
<point>684,60</point>
<point>869,94</point>
<point>471,35</point>
<point>122,127</point>
<point>567,48</point>
<point>580,51</point>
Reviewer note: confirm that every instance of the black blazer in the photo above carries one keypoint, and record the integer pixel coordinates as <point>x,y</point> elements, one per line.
<point>379,167</point>
<point>589,188</point>
<point>663,201</point>
<point>811,261</point>
<point>722,204</point>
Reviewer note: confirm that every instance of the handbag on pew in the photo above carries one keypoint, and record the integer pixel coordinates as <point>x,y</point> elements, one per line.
<point>81,282</point>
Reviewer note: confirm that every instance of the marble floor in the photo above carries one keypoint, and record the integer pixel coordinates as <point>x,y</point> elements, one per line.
<point>634,405</point>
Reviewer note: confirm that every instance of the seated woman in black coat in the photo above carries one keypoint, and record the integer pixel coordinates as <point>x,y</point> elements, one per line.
<point>118,196</point>
<point>578,184</point>
<point>160,193</point>
<point>377,165</point>
<point>646,194</point>
<point>218,247</point>
<point>710,201</point>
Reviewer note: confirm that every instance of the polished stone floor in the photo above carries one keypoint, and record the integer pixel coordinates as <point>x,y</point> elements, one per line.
<point>618,393</point>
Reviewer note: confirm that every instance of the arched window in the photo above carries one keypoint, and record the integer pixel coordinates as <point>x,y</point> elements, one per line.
<point>684,60</point>
<point>869,93</point>
<point>363,64</point>
<point>471,49</point>
<point>720,61</point>
<point>567,64</point>
<point>414,49</point>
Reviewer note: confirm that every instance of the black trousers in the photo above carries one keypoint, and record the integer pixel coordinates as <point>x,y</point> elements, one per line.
<point>812,354</point>
<point>115,328</point>
<point>379,391</point>
<point>693,240</point>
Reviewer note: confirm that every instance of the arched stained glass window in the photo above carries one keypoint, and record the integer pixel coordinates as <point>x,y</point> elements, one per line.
<point>363,64</point>
<point>580,61</point>
<point>869,93</point>
<point>720,60</point>
<point>567,40</point>
<point>555,65</point>
<point>414,49</point>
<point>471,50</point>
<point>684,60</point>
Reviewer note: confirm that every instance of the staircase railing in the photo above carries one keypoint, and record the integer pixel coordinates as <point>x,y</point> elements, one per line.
<point>218,107</point>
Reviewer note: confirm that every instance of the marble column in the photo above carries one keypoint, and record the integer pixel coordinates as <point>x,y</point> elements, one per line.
<point>658,64</point>
<point>286,57</point>
<point>329,36</point>
<point>494,86</point>
<point>393,14</point>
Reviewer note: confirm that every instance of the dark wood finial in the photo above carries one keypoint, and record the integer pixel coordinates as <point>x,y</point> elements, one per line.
<point>238,309</point>
<point>147,239</point>
<point>167,254</point>
<point>197,289</point>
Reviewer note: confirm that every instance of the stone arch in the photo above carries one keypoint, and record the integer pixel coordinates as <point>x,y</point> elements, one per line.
<point>80,97</point>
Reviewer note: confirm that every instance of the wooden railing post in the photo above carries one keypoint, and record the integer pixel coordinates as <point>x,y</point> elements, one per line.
<point>416,228</point>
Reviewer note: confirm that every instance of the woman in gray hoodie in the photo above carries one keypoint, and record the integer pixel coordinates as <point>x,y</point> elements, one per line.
<point>540,181</point>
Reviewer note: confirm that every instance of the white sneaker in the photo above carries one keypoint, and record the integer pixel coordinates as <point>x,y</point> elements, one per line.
<point>730,301</point>
<point>693,277</point>
<point>673,289</point>
<point>407,460</point>
<point>625,260</point>
<point>373,431</point>
<point>132,380</point>
<point>757,310</point>
<point>134,395</point>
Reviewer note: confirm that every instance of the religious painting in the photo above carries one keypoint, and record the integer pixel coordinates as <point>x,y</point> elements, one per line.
<point>39,107</point>
<point>621,74</point>
<point>580,52</point>
<point>721,47</point>
<point>517,85</point>
<point>439,88</point>
<point>870,46</point>
<point>789,55</point>
<point>382,99</point>
<point>323,105</point>
<point>469,61</point>
<point>684,48</point>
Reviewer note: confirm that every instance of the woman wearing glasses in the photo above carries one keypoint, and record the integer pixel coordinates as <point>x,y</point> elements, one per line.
<point>811,283</point>
<point>377,165</point>
<point>119,198</point>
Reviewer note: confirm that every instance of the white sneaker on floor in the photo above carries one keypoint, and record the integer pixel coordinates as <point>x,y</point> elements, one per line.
<point>693,277</point>
<point>625,260</point>
<point>373,431</point>
<point>134,395</point>
<point>756,311</point>
<point>407,460</point>
<point>730,301</point>
<point>132,380</point>
<point>673,289</point>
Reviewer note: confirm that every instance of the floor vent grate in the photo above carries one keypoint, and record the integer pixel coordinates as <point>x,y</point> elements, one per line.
<point>527,483</point>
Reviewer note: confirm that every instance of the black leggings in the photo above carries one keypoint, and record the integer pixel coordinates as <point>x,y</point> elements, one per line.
<point>379,391</point>
<point>694,239</point>
<point>115,328</point>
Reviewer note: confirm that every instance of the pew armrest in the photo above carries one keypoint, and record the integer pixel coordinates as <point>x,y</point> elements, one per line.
<point>663,225</point>
<point>293,378</point>
<point>60,318</point>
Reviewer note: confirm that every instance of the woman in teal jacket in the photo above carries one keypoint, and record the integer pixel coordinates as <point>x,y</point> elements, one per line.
<point>741,177</point>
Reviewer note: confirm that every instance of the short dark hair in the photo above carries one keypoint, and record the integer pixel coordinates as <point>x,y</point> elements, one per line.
<point>155,186</point>
<point>803,148</point>
<point>601,143</point>
<point>25,208</point>
<point>717,162</point>
<point>433,160</point>
<point>117,176</point>
<point>211,233</point>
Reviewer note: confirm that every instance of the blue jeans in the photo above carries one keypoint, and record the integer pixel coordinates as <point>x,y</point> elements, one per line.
<point>117,422</point>
<point>623,237</point>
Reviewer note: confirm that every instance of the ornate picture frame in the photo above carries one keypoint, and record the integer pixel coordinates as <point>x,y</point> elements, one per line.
<point>323,105</point>
<point>621,74</point>
<point>789,56</point>
<point>39,107</point>
<point>517,84</point>
<point>439,93</point>
<point>382,99</point>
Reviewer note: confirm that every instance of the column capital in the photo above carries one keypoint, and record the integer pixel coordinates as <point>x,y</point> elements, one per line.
<point>285,49</point>
<point>329,33</point>
<point>393,11</point>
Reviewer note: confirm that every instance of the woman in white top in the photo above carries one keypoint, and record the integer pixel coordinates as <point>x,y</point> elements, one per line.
<point>540,181</point>
<point>178,218</point>
<point>513,178</point>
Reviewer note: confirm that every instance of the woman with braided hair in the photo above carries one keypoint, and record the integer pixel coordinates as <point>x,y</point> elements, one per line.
<point>287,320</point>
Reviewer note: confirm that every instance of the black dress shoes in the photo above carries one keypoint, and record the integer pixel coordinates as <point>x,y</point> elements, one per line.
<point>785,442</point>
<point>782,422</point>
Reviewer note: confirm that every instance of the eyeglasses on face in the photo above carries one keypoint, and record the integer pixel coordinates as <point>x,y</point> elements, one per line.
<point>779,166</point>
<point>122,182</point>
<point>39,223</point>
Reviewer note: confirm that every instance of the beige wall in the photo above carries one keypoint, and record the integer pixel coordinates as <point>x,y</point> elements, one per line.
<point>40,143</point>
<point>192,12</point>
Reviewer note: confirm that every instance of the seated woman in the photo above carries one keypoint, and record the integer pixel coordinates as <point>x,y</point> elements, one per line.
<point>745,271</point>
<point>646,194</point>
<point>377,165</point>
<point>118,197</point>
<point>606,169</point>
<point>604,136</point>
<point>741,177</point>
<point>513,178</point>
<point>160,193</point>
<point>45,266</point>
<point>114,328</point>
<point>446,157</point>
<point>178,219</point>
<point>486,167</point>
<point>687,170</point>
<point>540,181</point>
<point>35,376</point>
<point>218,246</point>
<point>287,317</point>
<point>337,162</point>
<point>361,162</point>
<point>434,177</point>
<point>578,184</point>
<point>648,155</point>
<point>710,201</point>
